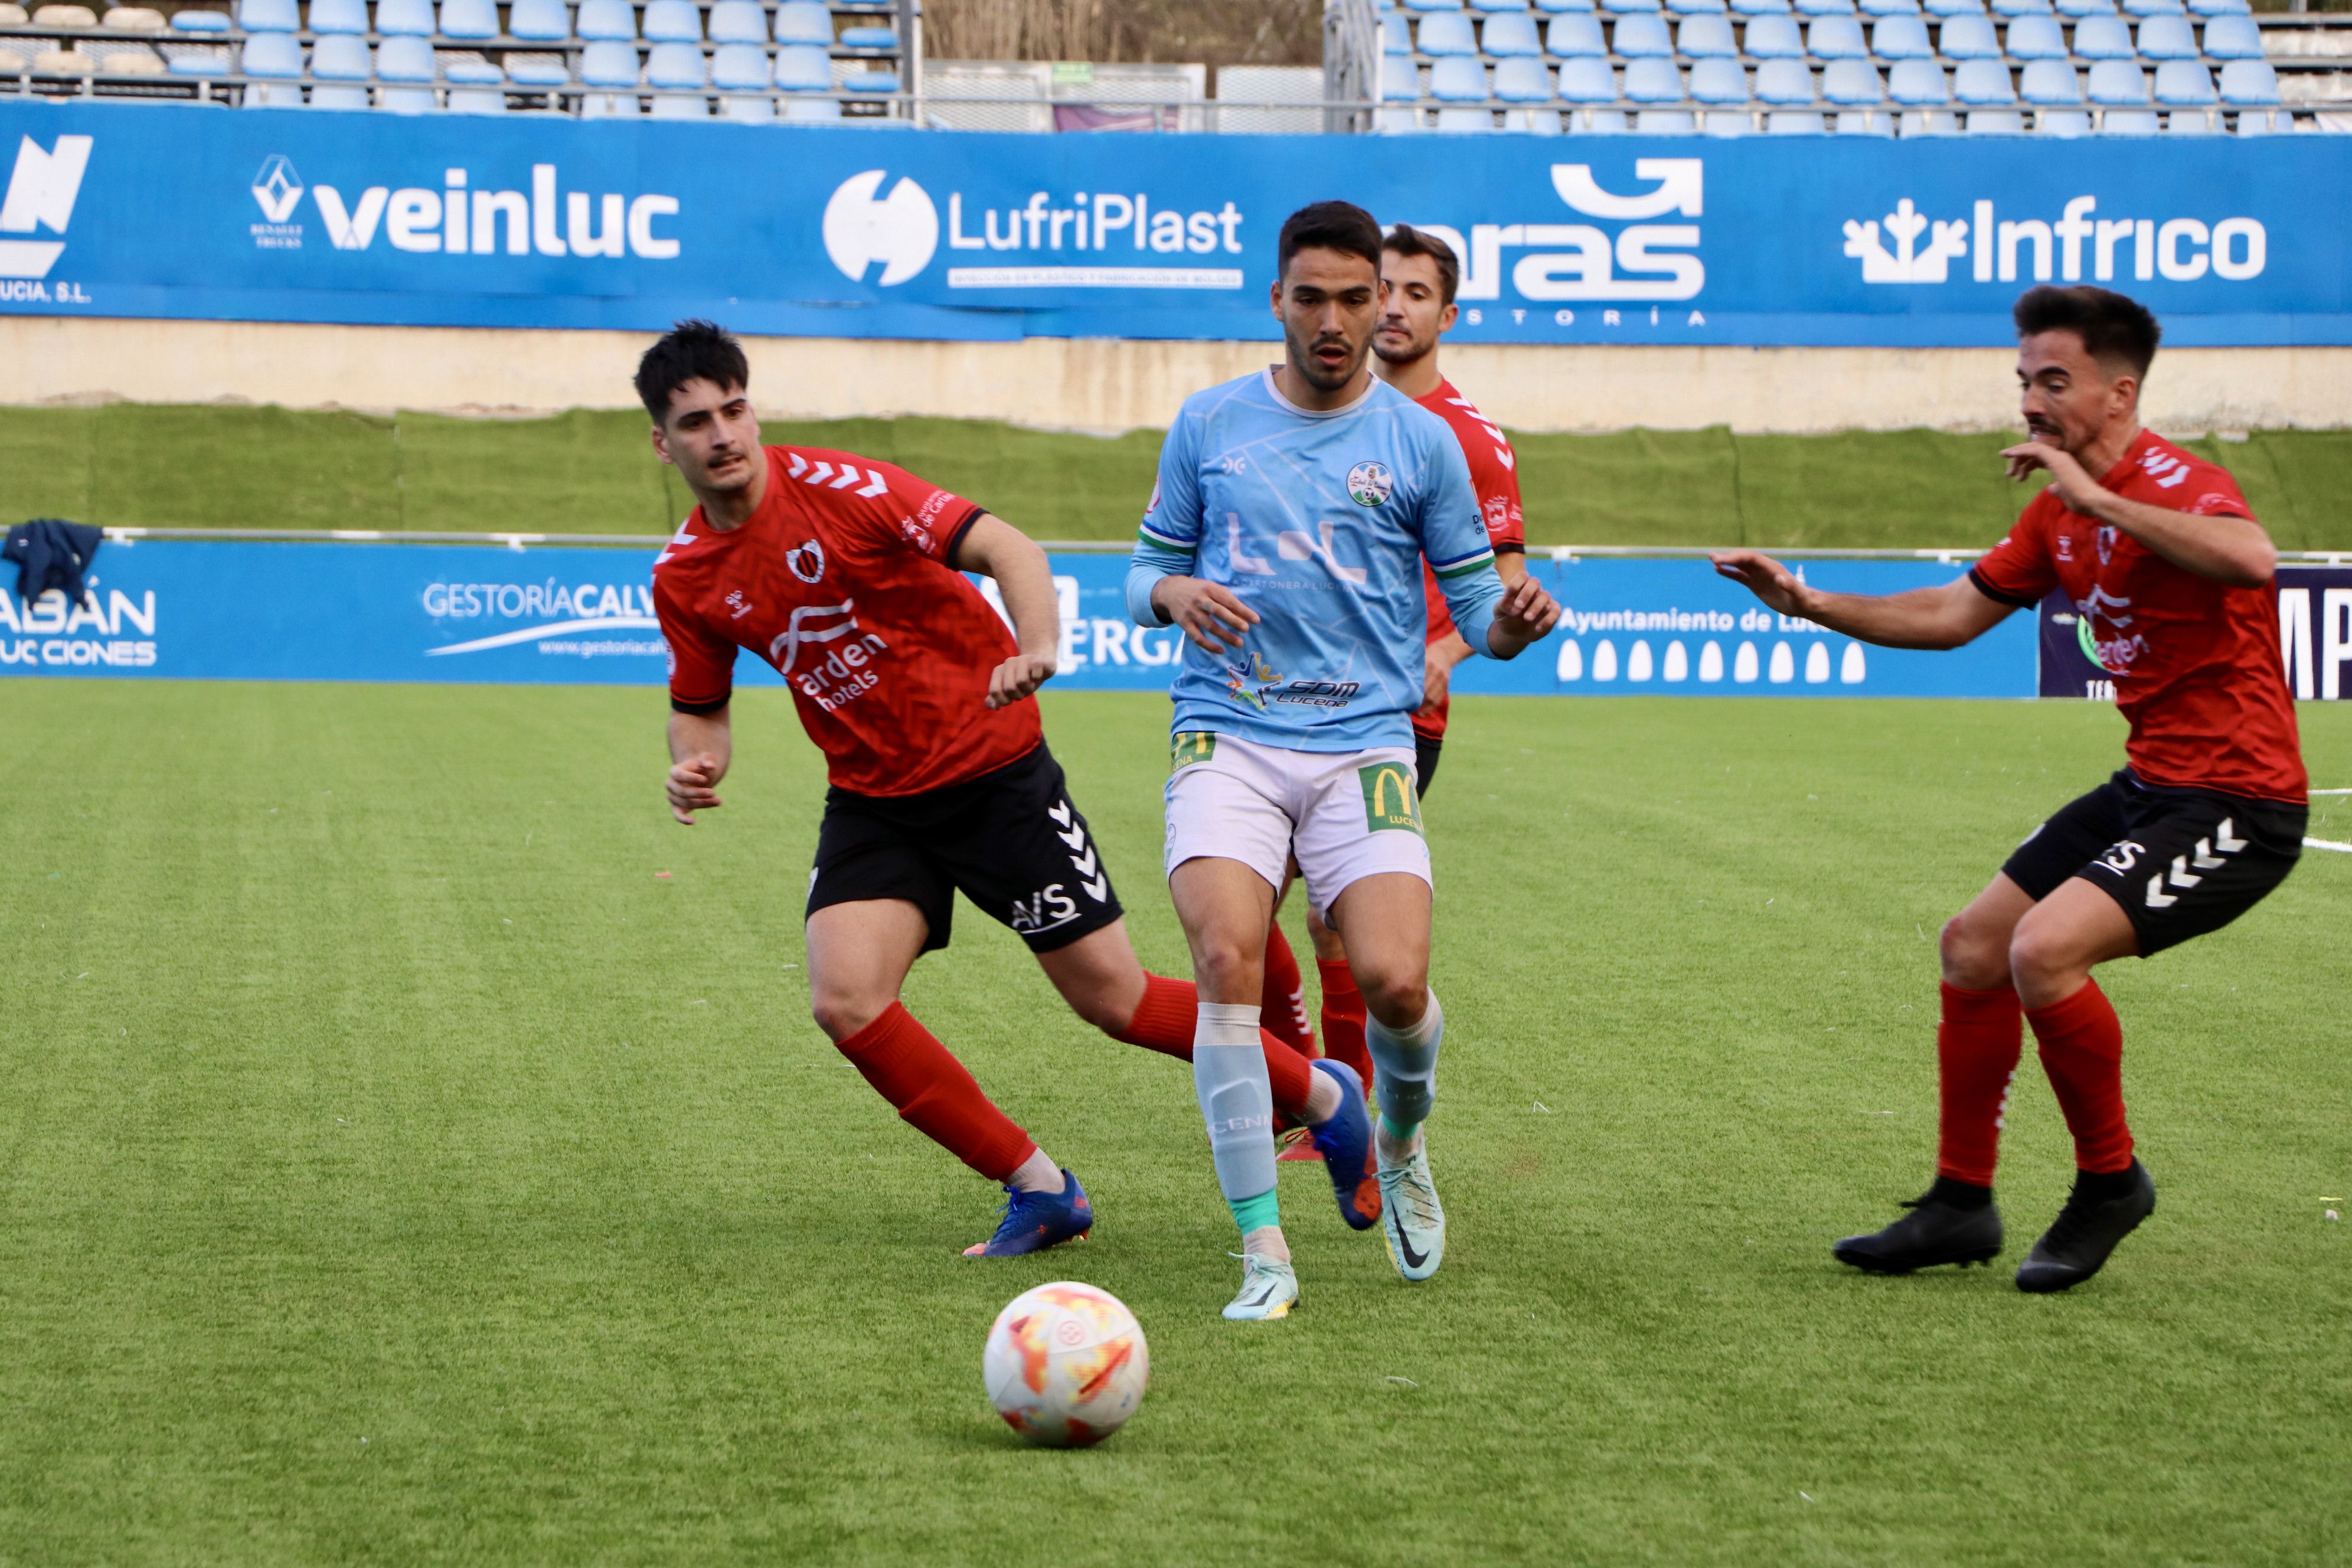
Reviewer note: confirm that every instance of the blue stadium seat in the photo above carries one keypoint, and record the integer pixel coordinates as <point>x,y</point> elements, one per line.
<point>1448,33</point>
<point>1697,7</point>
<point>2036,38</point>
<point>672,22</point>
<point>2117,82</point>
<point>1432,5</point>
<point>739,22</point>
<point>476,87</point>
<point>2249,82</point>
<point>869,39</point>
<point>1512,37</point>
<point>2186,88</point>
<point>268,17</point>
<point>677,73</point>
<point>801,67</point>
<point>1852,82</point>
<point>1901,38</point>
<point>1628,8</point>
<point>1775,39</point>
<point>870,81</point>
<point>1984,82</point>
<point>1588,80</point>
<point>340,56</point>
<point>2166,39</point>
<point>1520,79</point>
<point>1918,84</point>
<point>1396,32</point>
<point>1783,83</point>
<point>2234,38</point>
<point>405,65</point>
<point>1825,8</point>
<point>609,63</point>
<point>744,84</point>
<point>537,70</point>
<point>1650,81</point>
<point>1454,79</point>
<point>2020,7</point>
<point>541,21</point>
<point>274,55</point>
<point>1969,38</point>
<point>404,18</point>
<point>1835,38</point>
<point>1761,7</point>
<point>2103,38</point>
<point>2086,7</point>
<point>2155,8</point>
<point>1644,38</point>
<point>1890,7</point>
<point>1946,8</point>
<point>1495,8</point>
<point>1562,7</point>
<point>1707,38</point>
<point>1720,84</point>
<point>200,21</point>
<point>341,18</point>
<point>603,21</point>
<point>2219,7</point>
<point>2057,94</point>
<point>808,22</point>
<point>468,19</point>
<point>1575,37</point>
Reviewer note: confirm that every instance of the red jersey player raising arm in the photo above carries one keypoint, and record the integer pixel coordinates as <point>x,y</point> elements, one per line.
<point>2162,557</point>
<point>846,575</point>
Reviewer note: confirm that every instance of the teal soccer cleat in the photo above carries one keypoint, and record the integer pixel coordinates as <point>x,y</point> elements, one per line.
<point>1269,1290</point>
<point>1413,1221</point>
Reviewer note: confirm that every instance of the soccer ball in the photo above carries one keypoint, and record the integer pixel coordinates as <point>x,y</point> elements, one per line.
<point>1065,1365</point>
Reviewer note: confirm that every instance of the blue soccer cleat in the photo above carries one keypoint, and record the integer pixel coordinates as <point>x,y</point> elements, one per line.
<point>1344,1141</point>
<point>1035,1221</point>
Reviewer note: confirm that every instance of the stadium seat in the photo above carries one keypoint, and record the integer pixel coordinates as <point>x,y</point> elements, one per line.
<point>1948,8</point>
<point>1761,7</point>
<point>1589,80</point>
<point>2117,82</point>
<point>1650,81</point>
<point>200,22</point>
<point>1708,38</point>
<point>1721,85</point>
<point>2051,84</point>
<point>1561,7</point>
<point>738,22</point>
<point>2250,87</point>
<point>1457,80</point>
<point>1396,32</point>
<point>404,19</point>
<point>1968,38</point>
<point>2036,38</point>
<point>672,22</point>
<point>1983,82</point>
<point>1852,84</point>
<point>339,16</point>
<point>253,16</point>
<point>1835,38</point>
<point>1520,79</point>
<point>871,81</point>
<point>2103,38</point>
<point>1432,5</point>
<point>745,78</point>
<point>1512,37</point>
<point>2079,8</point>
<point>405,65</point>
<point>1901,38</point>
<point>1496,7</point>
<point>1783,84</point>
<point>2145,8</point>
<point>677,73</point>
<point>2166,39</point>
<point>2020,7</point>
<point>867,38</point>
<point>2185,85</point>
<point>132,19</point>
<point>541,21</point>
<point>1825,8</point>
<point>538,71</point>
<point>605,21</point>
<point>468,19</point>
<point>73,16</point>
<point>1699,7</point>
<point>1890,7</point>
<point>803,69</point>
<point>1628,7</point>
<point>609,64</point>
<point>1775,39</point>
<point>2220,8</point>
<point>340,68</point>
<point>1575,37</point>
<point>272,54</point>
<point>2234,38</point>
<point>807,21</point>
<point>475,87</point>
<point>1448,33</point>
<point>1917,88</point>
<point>1644,38</point>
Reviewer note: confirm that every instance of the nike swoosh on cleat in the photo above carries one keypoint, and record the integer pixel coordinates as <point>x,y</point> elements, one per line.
<point>1412,1259</point>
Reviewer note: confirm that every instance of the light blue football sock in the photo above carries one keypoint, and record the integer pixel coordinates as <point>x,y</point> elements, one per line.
<point>1237,1103</point>
<point>1404,1069</point>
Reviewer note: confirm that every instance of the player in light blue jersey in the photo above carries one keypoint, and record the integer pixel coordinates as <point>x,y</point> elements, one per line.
<point>1286,536</point>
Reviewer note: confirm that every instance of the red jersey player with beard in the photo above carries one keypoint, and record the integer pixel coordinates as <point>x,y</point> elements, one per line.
<point>2160,553</point>
<point>1421,273</point>
<point>845,574</point>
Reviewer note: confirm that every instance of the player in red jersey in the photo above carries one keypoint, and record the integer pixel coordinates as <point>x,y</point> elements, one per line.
<point>845,574</point>
<point>2163,558</point>
<point>1421,273</point>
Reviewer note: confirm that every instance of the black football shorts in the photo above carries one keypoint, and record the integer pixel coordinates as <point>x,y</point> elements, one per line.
<point>1426,751</point>
<point>2180,862</point>
<point>1010,840</point>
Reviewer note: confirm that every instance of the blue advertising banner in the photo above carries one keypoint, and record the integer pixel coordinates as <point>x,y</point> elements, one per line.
<point>2315,639</point>
<point>523,221</point>
<point>585,616</point>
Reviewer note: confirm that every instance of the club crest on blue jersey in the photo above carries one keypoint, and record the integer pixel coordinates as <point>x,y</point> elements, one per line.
<point>1369,484</point>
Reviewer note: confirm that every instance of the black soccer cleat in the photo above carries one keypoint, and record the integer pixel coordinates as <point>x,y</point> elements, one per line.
<point>2077,1243</point>
<point>1934,1232</point>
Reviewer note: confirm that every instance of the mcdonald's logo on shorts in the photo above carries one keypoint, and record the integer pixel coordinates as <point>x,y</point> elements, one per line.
<point>1389,798</point>
<point>1189,746</point>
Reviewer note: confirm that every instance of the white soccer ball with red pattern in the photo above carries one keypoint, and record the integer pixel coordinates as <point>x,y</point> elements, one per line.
<point>1065,1365</point>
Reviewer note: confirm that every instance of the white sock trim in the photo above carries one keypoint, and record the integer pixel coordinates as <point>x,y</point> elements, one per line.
<point>1226,1023</point>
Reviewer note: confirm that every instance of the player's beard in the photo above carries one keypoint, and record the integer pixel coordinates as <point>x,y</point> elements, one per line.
<point>1310,369</point>
<point>1411,352</point>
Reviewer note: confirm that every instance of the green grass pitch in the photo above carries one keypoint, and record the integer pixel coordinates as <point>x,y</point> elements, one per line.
<point>399,1169</point>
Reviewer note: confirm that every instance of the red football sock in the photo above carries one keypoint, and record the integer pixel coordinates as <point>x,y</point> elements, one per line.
<point>1281,1008</point>
<point>908,1067</point>
<point>1343,1018</point>
<point>1163,1022</point>
<point>1977,1046</point>
<point>2082,1052</point>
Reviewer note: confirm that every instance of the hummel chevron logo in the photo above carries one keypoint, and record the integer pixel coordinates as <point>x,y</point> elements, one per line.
<point>800,465</point>
<point>2223,842</point>
<point>2204,859</point>
<point>1085,863</point>
<point>2181,876</point>
<point>819,474</point>
<point>1074,837</point>
<point>1097,890</point>
<point>841,479</point>
<point>1060,812</point>
<point>2157,899</point>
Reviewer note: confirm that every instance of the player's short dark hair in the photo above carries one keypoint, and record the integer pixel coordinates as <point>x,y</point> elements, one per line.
<point>2116,330</point>
<point>689,351</point>
<point>1343,227</point>
<point>1407,240</point>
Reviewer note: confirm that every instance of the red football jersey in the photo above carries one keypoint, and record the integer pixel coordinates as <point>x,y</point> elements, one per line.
<point>1493,474</point>
<point>2196,663</point>
<point>840,581</point>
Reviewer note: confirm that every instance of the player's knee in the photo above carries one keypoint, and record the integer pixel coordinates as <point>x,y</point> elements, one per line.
<point>2038,960</point>
<point>1396,996</point>
<point>1227,966</point>
<point>1974,958</point>
<point>842,1011</point>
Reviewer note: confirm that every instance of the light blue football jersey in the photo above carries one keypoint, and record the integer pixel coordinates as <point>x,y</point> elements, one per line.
<point>1319,522</point>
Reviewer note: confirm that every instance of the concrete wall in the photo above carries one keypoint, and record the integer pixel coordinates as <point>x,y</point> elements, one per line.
<point>1107,386</point>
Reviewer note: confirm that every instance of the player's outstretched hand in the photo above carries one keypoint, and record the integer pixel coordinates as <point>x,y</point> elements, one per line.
<point>1762,576</point>
<point>1019,677</point>
<point>1213,617</point>
<point>691,787</point>
<point>2072,481</point>
<point>1524,613</point>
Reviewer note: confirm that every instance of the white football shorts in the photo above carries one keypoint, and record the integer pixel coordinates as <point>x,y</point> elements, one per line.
<point>1345,814</point>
